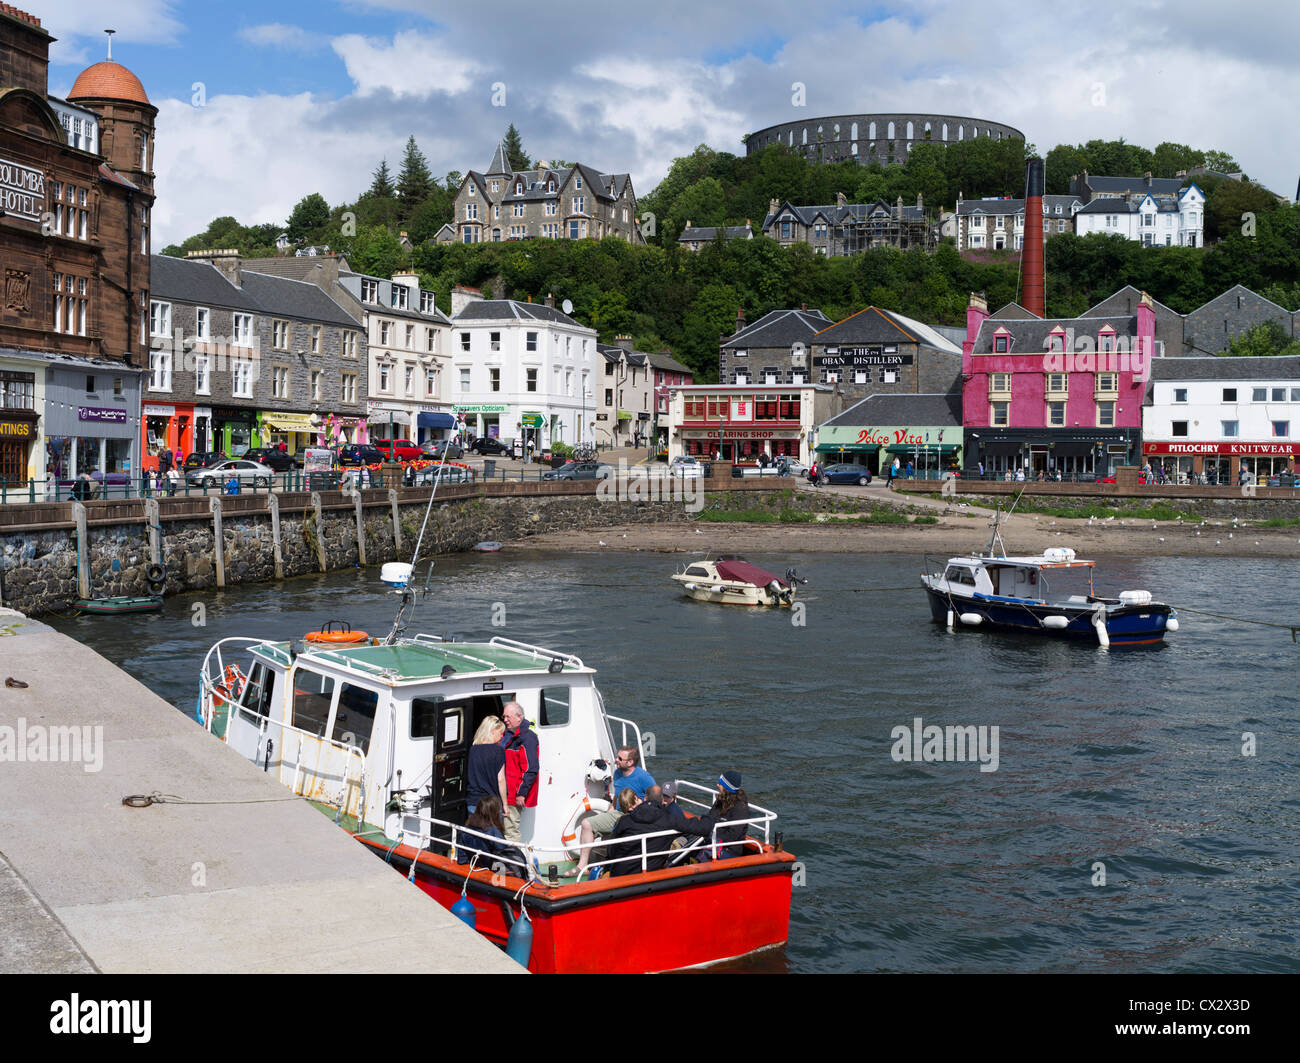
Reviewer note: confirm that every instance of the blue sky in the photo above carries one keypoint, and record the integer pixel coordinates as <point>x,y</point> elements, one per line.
<point>302,96</point>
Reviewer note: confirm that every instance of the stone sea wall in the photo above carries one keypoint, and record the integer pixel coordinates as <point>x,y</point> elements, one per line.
<point>39,556</point>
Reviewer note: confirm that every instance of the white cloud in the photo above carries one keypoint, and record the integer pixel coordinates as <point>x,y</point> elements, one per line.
<point>279,35</point>
<point>414,64</point>
<point>79,26</point>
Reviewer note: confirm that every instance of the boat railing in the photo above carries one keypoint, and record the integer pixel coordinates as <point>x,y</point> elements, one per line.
<point>444,832</point>
<point>209,680</point>
<point>537,651</point>
<point>763,820</point>
<point>622,740</point>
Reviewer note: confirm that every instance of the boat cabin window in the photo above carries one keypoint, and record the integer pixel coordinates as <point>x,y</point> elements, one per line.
<point>356,716</point>
<point>425,713</point>
<point>697,570</point>
<point>312,694</point>
<point>957,574</point>
<point>257,691</point>
<point>554,705</point>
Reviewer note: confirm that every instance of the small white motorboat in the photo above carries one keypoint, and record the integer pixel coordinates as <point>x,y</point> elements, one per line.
<point>734,581</point>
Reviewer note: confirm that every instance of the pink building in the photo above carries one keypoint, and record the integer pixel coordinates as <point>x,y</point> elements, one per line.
<point>1053,397</point>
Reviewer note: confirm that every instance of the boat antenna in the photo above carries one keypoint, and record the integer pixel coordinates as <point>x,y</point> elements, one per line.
<point>996,548</point>
<point>407,593</point>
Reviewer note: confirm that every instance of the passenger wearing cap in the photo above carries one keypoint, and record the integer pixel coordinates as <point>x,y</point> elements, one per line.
<point>731,804</point>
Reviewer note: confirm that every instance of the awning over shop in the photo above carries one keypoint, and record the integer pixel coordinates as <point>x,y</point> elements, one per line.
<point>437,420</point>
<point>923,448</point>
<point>623,415</point>
<point>847,448</point>
<point>279,421</point>
<point>1073,448</point>
<point>1000,448</point>
<point>389,416</point>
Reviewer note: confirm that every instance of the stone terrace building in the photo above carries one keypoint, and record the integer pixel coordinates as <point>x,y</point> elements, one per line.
<point>774,348</point>
<point>242,359</point>
<point>999,224</point>
<point>876,351</point>
<point>1210,328</point>
<point>76,196</point>
<point>846,228</point>
<point>695,237</point>
<point>571,202</point>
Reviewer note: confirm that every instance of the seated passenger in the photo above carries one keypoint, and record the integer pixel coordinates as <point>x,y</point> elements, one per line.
<point>630,774</point>
<point>730,804</point>
<point>602,824</point>
<point>646,817</point>
<point>487,820</point>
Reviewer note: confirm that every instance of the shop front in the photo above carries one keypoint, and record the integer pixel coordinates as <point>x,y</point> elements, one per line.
<point>483,419</point>
<point>930,450</point>
<point>435,424</point>
<point>1047,453</point>
<point>389,420</point>
<point>19,425</point>
<point>296,431</point>
<point>234,429</point>
<point>203,429</point>
<point>1182,462</point>
<point>91,425</point>
<point>741,444</point>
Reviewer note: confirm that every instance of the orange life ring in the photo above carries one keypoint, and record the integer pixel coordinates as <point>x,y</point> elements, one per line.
<point>230,687</point>
<point>337,638</point>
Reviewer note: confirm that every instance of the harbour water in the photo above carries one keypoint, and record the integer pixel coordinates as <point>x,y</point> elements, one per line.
<point>1127,827</point>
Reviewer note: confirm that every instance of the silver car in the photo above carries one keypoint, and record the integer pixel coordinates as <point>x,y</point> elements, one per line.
<point>445,474</point>
<point>246,472</point>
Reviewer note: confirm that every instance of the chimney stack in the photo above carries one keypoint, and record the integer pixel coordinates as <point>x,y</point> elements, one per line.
<point>1032,259</point>
<point>841,200</point>
<point>773,205</point>
<point>623,341</point>
<point>550,300</point>
<point>462,296</point>
<point>740,320</point>
<point>227,261</point>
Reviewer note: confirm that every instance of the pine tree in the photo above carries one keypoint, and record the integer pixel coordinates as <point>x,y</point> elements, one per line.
<point>414,181</point>
<point>382,186</point>
<point>516,157</point>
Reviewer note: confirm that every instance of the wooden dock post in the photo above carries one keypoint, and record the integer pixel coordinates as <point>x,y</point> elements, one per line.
<point>218,540</point>
<point>83,551</point>
<point>273,505</point>
<point>320,529</point>
<point>397,520</point>
<point>361,530</point>
<point>155,531</point>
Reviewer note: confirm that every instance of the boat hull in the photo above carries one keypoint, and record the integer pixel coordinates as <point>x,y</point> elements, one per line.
<point>1126,625</point>
<point>654,921</point>
<point>730,593</point>
<point>113,606</point>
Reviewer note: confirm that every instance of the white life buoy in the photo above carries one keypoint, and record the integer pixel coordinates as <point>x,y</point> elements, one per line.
<point>569,836</point>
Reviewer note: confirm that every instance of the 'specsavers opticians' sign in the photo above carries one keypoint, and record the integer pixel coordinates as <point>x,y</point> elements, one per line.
<point>22,190</point>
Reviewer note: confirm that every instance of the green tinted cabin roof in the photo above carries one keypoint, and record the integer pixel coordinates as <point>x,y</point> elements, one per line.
<point>412,662</point>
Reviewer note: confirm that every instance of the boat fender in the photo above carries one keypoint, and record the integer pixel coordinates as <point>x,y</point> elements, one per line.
<point>1171,624</point>
<point>1056,623</point>
<point>950,619</point>
<point>689,586</point>
<point>569,836</point>
<point>519,945</point>
<point>1099,625</point>
<point>156,573</point>
<point>463,910</point>
<point>972,619</point>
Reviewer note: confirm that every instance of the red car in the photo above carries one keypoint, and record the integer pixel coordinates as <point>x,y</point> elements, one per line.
<point>397,449</point>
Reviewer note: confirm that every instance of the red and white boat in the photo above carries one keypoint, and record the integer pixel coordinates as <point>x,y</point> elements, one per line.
<point>377,734</point>
<point>734,581</point>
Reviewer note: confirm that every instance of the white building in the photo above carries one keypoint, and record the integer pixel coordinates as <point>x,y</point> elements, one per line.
<point>1154,219</point>
<point>1212,417</point>
<point>409,397</point>
<point>624,414</point>
<point>522,371</point>
<point>999,224</point>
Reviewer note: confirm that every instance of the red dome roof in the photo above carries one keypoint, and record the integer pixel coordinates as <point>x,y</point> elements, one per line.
<point>108,81</point>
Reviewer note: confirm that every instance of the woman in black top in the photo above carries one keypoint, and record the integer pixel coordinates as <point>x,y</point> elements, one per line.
<point>487,763</point>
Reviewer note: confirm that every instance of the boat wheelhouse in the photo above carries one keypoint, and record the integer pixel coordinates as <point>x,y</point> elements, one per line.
<point>377,735</point>
<point>734,581</point>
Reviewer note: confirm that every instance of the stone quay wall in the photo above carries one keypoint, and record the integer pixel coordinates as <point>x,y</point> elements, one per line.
<point>43,568</point>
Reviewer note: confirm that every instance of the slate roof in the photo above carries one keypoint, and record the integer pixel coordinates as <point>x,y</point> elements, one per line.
<point>1014,311</point>
<point>201,283</point>
<point>874,325</point>
<point>1222,367</point>
<point>499,163</point>
<point>352,282</point>
<point>602,185</point>
<point>1133,185</point>
<point>1029,336</point>
<point>512,310</point>
<point>613,352</point>
<point>709,233</point>
<point>1017,206</point>
<point>293,298</point>
<point>943,411</point>
<point>780,328</point>
<point>666,362</point>
<point>856,213</point>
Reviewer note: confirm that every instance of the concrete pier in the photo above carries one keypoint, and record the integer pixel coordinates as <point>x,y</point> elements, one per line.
<point>248,878</point>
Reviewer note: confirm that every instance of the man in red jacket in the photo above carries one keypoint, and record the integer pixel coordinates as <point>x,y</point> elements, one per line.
<point>522,767</point>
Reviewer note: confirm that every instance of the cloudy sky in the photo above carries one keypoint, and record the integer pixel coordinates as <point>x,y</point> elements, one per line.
<point>262,103</point>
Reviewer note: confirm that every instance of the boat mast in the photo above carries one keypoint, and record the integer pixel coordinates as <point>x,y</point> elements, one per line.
<point>995,539</point>
<point>407,594</point>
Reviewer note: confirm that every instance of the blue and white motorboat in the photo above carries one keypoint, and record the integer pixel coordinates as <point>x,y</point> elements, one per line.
<point>1049,594</point>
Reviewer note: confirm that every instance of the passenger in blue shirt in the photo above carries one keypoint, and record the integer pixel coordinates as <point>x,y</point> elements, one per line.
<point>629,775</point>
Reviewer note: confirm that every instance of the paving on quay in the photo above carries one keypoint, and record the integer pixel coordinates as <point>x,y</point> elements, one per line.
<point>246,878</point>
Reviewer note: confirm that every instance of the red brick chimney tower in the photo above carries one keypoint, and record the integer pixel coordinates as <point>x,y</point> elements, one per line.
<point>1031,261</point>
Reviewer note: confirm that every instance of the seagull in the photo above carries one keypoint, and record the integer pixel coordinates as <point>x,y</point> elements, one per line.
<point>1162,538</point>
<point>600,542</point>
<point>1229,535</point>
<point>625,535</point>
<point>1218,542</point>
<point>698,532</point>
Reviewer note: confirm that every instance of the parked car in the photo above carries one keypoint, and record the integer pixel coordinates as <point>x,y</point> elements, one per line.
<point>397,449</point>
<point>277,459</point>
<point>846,473</point>
<point>1281,479</point>
<point>444,474</point>
<point>580,470</point>
<point>793,467</point>
<point>435,448</point>
<point>488,445</point>
<point>687,467</point>
<point>201,459</point>
<point>355,454</point>
<point>245,472</point>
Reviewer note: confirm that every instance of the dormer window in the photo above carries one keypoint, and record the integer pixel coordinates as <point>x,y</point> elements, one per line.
<point>1056,342</point>
<point>550,185</point>
<point>496,186</point>
<point>1106,340</point>
<point>1001,344</point>
<point>519,188</point>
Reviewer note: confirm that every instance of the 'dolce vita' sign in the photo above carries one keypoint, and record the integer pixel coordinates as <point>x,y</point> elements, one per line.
<point>890,435</point>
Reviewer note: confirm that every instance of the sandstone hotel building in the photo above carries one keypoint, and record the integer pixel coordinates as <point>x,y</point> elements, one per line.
<point>76,194</point>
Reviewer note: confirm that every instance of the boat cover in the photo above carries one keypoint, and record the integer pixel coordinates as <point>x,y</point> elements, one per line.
<point>744,572</point>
